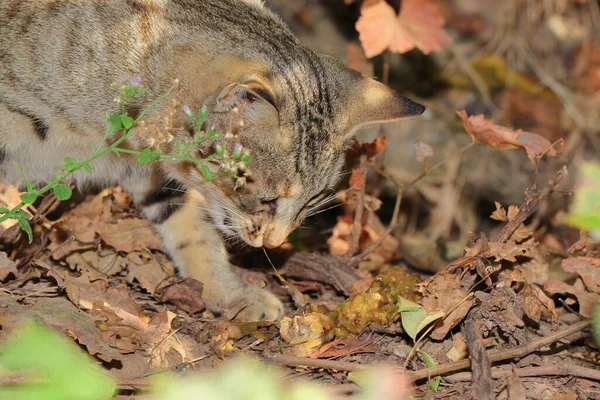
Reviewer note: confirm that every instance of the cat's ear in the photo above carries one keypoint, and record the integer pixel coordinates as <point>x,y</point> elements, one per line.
<point>372,102</point>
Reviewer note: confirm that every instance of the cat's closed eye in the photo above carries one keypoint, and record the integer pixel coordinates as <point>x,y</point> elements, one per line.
<point>272,203</point>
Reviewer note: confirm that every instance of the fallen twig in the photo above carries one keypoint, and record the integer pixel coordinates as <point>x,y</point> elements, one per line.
<point>561,370</point>
<point>481,365</point>
<point>500,355</point>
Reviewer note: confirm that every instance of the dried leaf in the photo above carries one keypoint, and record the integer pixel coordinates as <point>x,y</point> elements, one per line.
<point>7,267</point>
<point>586,267</point>
<point>114,304</point>
<point>503,251</point>
<point>535,301</point>
<point>58,313</point>
<point>459,348</point>
<point>185,295</point>
<point>422,151</point>
<point>500,213</point>
<point>376,146</point>
<point>444,293</point>
<point>129,235</point>
<point>587,301</point>
<point>486,132</point>
<point>357,180</point>
<point>418,25</point>
<point>145,268</point>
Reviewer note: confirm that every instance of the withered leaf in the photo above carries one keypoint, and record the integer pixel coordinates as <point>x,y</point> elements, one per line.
<point>486,132</point>
<point>185,295</point>
<point>444,293</point>
<point>587,301</point>
<point>7,267</point>
<point>588,268</point>
<point>419,24</point>
<point>146,269</point>
<point>58,313</point>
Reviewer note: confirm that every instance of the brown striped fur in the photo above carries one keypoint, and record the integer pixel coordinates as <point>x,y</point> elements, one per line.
<point>58,59</point>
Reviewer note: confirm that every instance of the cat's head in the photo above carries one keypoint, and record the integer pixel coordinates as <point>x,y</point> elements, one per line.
<point>297,123</point>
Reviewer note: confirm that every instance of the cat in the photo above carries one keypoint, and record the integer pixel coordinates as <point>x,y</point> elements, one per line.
<point>59,58</point>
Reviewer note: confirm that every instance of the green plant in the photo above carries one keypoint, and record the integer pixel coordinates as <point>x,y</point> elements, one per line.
<point>119,127</point>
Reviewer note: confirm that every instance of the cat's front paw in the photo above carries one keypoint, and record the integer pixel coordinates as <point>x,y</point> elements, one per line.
<point>258,305</point>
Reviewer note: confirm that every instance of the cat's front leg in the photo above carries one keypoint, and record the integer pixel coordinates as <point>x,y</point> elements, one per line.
<point>182,219</point>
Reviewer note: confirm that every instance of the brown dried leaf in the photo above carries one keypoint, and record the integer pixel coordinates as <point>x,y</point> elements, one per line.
<point>459,348</point>
<point>503,251</point>
<point>357,180</point>
<point>376,146</point>
<point>422,151</point>
<point>418,25</point>
<point>512,212</point>
<point>185,295</point>
<point>586,267</point>
<point>145,268</point>
<point>129,235</point>
<point>500,213</point>
<point>7,267</point>
<point>486,132</point>
<point>445,293</point>
<point>587,301</point>
<point>115,305</point>
<point>58,313</point>
<point>535,301</point>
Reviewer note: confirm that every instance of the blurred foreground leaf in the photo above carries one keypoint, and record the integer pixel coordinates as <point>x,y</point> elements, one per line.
<point>585,210</point>
<point>59,369</point>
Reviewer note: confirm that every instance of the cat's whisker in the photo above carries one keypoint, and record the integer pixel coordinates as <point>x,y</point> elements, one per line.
<point>325,209</point>
<point>228,207</point>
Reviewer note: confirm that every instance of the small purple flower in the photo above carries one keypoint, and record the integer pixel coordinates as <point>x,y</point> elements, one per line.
<point>237,150</point>
<point>186,109</point>
<point>136,80</point>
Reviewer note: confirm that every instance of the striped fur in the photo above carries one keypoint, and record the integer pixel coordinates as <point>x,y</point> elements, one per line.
<point>58,59</point>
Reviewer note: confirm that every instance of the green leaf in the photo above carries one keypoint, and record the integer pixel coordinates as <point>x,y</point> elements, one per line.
<point>127,121</point>
<point>596,323</point>
<point>414,317</point>
<point>87,167</point>
<point>29,197</point>
<point>116,122</point>
<point>148,155</point>
<point>68,372</point>
<point>22,214</point>
<point>585,210</point>
<point>71,163</point>
<point>25,227</point>
<point>206,171</point>
<point>434,383</point>
<point>63,192</point>
<point>246,158</point>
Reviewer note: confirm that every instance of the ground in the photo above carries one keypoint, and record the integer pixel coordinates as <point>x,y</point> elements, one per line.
<point>465,253</point>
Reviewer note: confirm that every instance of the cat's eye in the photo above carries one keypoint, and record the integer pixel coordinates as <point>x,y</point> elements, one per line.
<point>272,203</point>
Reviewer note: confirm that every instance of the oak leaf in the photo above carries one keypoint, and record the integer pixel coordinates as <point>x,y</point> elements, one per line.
<point>419,24</point>
<point>486,132</point>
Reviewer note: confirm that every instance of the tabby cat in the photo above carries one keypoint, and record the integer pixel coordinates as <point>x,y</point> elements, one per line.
<point>60,58</point>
